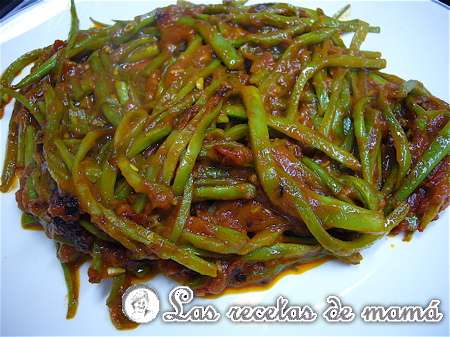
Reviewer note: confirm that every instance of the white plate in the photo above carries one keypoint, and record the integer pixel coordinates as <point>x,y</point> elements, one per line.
<point>415,41</point>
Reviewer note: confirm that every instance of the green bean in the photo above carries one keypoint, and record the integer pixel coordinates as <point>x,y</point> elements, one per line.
<point>107,101</point>
<point>91,228</point>
<point>362,137</point>
<point>93,171</point>
<point>126,49</point>
<point>264,238</point>
<point>282,251</point>
<point>183,211</point>
<point>157,62</point>
<point>237,132</point>
<point>74,25</point>
<point>318,81</point>
<point>213,181</point>
<point>122,191</point>
<point>190,85</point>
<point>71,39</point>
<point>29,145</point>
<point>117,285</point>
<point>271,39</point>
<point>42,70</point>
<point>107,182</point>
<point>209,243</point>
<point>90,43</point>
<point>347,26</point>
<point>437,150</point>
<point>143,52</point>
<point>234,192</point>
<point>332,106</point>
<point>124,230</point>
<point>390,180</point>
<point>64,153</point>
<point>30,187</point>
<point>139,184</point>
<point>401,143</point>
<point>307,136</point>
<point>371,197</point>
<point>57,169</point>
<point>301,41</point>
<point>187,162</point>
<point>341,12</point>
<point>122,91</point>
<point>259,139</point>
<point>70,276</point>
<point>340,214</point>
<point>272,19</point>
<point>221,46</point>
<point>20,158</point>
<point>347,61</point>
<point>14,69</point>
<point>347,144</point>
<point>314,37</point>
<point>341,121</point>
<point>212,172</point>
<point>155,169</point>
<point>181,141</point>
<point>269,177</point>
<point>164,248</point>
<point>86,144</point>
<point>374,129</point>
<point>139,203</point>
<point>235,111</point>
<point>360,36</point>
<point>31,107</point>
<point>130,29</point>
<point>147,139</point>
<point>54,113</point>
<point>334,245</point>
<point>326,178</point>
<point>28,220</point>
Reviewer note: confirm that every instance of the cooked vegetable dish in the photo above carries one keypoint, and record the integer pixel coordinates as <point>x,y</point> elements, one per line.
<point>219,145</point>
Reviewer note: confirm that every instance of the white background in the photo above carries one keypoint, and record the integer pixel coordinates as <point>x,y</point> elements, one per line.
<point>414,39</point>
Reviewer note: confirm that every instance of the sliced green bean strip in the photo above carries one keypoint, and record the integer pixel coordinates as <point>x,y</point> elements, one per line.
<point>193,149</point>
<point>328,180</point>
<point>437,150</point>
<point>307,136</point>
<point>14,69</point>
<point>183,211</point>
<point>362,138</point>
<point>282,251</point>
<point>122,91</point>
<point>237,132</point>
<point>147,139</point>
<point>31,107</point>
<point>29,145</point>
<point>91,228</point>
<point>234,192</point>
<point>43,69</point>
<point>401,143</point>
<point>64,153</point>
<point>107,182</point>
<point>139,203</point>
<point>70,276</point>
<point>221,46</point>
<point>347,61</point>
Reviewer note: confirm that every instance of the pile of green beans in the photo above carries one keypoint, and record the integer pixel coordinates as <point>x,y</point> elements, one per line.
<point>209,141</point>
